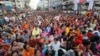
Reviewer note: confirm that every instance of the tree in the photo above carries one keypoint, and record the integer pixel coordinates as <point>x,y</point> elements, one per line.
<point>39,8</point>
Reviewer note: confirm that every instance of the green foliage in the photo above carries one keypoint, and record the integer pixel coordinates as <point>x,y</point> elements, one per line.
<point>39,8</point>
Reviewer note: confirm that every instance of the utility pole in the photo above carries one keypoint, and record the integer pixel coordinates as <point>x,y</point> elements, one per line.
<point>48,4</point>
<point>44,5</point>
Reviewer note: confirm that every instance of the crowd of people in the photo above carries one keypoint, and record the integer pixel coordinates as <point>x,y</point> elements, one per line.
<point>50,34</point>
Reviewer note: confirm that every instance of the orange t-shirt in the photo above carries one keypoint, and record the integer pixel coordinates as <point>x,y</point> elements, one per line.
<point>88,14</point>
<point>25,26</point>
<point>30,52</point>
<point>78,32</point>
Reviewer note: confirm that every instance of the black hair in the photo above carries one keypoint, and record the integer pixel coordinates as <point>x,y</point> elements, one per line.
<point>86,42</point>
<point>95,39</point>
<point>56,39</point>
<point>50,52</point>
<point>0,46</point>
<point>19,40</point>
<point>25,45</point>
<point>83,32</point>
<point>0,35</point>
<point>13,42</point>
<point>25,31</point>
<point>63,33</point>
<point>14,52</point>
<point>60,52</point>
<point>89,30</point>
<point>99,28</point>
<point>92,39</point>
<point>36,51</point>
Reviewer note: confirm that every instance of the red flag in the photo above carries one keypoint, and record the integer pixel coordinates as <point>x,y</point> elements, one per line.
<point>81,1</point>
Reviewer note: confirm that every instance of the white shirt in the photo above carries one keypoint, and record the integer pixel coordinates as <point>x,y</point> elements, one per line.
<point>51,38</point>
<point>39,22</point>
<point>85,37</point>
<point>96,32</point>
<point>6,19</point>
<point>55,46</point>
<point>96,13</point>
<point>13,18</point>
<point>92,25</point>
<point>57,17</point>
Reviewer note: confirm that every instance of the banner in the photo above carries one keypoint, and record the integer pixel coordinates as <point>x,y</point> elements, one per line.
<point>76,2</point>
<point>91,3</point>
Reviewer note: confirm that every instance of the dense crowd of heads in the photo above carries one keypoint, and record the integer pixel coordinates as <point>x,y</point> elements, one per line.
<point>50,33</point>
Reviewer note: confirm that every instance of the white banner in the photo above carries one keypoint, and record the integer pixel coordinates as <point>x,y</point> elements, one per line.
<point>75,1</point>
<point>91,3</point>
<point>90,6</point>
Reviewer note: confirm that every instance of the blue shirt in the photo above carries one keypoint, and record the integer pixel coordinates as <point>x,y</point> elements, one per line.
<point>7,41</point>
<point>48,29</point>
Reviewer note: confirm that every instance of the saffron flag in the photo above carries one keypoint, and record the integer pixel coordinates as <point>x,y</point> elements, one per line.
<point>81,1</point>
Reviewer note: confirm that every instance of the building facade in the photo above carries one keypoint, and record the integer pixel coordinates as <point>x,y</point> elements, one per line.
<point>20,3</point>
<point>56,4</point>
<point>68,4</point>
<point>43,4</point>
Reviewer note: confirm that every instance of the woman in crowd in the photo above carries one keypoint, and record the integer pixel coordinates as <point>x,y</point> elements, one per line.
<point>28,51</point>
<point>51,34</point>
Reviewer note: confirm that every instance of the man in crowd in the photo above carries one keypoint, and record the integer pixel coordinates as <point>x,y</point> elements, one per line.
<point>69,33</point>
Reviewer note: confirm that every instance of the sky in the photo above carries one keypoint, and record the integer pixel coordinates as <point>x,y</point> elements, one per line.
<point>34,4</point>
